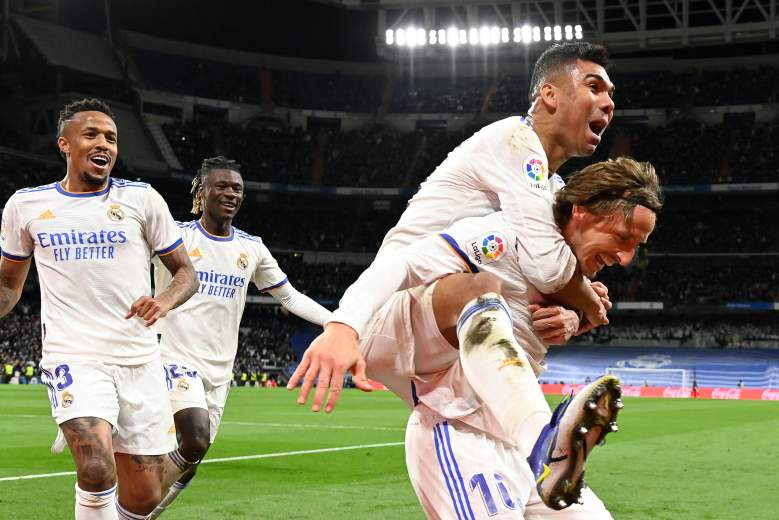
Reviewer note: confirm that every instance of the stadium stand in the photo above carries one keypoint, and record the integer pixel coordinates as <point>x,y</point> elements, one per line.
<point>333,150</point>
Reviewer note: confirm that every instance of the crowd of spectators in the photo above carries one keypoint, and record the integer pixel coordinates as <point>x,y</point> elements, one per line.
<point>381,156</point>
<point>709,332</point>
<point>507,94</point>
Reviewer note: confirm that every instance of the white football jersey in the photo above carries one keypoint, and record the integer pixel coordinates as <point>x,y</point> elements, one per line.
<point>504,167</point>
<point>475,244</point>
<point>203,332</point>
<point>93,255</point>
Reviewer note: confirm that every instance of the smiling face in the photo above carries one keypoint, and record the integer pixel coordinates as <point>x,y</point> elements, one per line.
<point>584,107</point>
<point>222,194</point>
<point>89,143</point>
<point>605,240</point>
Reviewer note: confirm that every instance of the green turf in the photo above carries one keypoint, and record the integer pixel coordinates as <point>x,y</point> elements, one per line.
<point>672,459</point>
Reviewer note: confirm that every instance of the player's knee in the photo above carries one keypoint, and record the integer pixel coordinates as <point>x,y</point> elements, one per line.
<point>195,445</point>
<point>484,282</point>
<point>139,498</point>
<point>96,473</point>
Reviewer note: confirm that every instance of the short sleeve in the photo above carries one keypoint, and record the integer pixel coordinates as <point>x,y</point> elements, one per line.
<point>162,233</point>
<point>15,240</point>
<point>268,275</point>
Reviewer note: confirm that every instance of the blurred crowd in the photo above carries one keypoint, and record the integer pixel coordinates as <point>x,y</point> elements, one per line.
<point>338,91</point>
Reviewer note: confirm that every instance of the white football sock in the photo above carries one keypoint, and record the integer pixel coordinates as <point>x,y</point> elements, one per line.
<point>498,370</point>
<point>95,505</point>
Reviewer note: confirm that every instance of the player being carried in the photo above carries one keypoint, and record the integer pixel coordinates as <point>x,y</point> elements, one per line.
<point>477,407</point>
<point>93,237</point>
<point>505,166</point>
<point>199,340</point>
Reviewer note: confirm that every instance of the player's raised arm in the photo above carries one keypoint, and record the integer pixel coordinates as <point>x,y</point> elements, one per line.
<point>337,350</point>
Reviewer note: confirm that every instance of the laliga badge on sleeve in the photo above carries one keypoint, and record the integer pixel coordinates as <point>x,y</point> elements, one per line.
<point>488,248</point>
<point>534,170</point>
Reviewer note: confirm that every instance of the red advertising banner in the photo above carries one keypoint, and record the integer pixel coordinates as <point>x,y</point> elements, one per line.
<point>675,392</point>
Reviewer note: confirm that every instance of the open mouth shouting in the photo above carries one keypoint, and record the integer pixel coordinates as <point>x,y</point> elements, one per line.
<point>597,127</point>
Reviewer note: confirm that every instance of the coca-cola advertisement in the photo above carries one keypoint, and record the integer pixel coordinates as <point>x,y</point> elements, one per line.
<point>676,392</point>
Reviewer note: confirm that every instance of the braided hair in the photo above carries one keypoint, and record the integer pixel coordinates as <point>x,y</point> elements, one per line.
<point>219,162</point>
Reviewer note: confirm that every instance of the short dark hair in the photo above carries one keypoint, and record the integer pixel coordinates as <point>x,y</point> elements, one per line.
<point>82,105</point>
<point>210,164</point>
<point>607,186</point>
<point>562,55</point>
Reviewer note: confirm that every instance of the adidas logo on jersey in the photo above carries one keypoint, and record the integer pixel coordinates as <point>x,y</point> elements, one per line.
<point>46,215</point>
<point>195,253</point>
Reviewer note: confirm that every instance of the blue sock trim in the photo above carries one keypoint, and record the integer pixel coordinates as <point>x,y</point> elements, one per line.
<point>124,514</point>
<point>487,303</point>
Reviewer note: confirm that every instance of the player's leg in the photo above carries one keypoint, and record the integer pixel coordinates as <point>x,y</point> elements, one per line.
<point>89,439</point>
<point>499,372</point>
<point>460,473</point>
<point>144,437</point>
<point>84,405</point>
<point>197,414</point>
<point>473,317</point>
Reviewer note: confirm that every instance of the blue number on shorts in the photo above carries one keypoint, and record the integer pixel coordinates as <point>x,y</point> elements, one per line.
<point>504,492</point>
<point>63,371</point>
<point>486,496</point>
<point>174,374</point>
<point>480,481</point>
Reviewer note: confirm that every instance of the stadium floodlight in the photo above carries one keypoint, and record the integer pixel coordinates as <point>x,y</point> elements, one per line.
<point>577,31</point>
<point>473,36</point>
<point>452,36</point>
<point>433,37</point>
<point>421,40</point>
<point>389,37</point>
<point>547,33</point>
<point>484,35</point>
<point>442,36</point>
<point>517,35</point>
<point>568,32</point>
<point>558,33</point>
<point>463,37</point>
<point>504,35</point>
<point>536,34</point>
<point>400,37</point>
<point>411,37</point>
<point>494,35</point>
<point>526,34</point>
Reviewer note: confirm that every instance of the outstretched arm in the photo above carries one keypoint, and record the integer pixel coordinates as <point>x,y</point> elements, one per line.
<point>337,350</point>
<point>300,305</point>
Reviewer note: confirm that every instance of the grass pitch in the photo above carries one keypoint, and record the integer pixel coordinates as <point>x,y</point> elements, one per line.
<point>672,459</point>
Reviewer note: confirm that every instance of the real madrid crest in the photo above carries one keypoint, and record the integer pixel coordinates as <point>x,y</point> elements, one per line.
<point>182,385</point>
<point>115,213</point>
<point>243,261</point>
<point>67,399</point>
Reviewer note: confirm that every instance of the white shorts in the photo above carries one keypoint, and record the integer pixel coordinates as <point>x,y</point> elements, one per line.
<point>402,342</point>
<point>133,399</point>
<point>188,390</point>
<point>459,472</point>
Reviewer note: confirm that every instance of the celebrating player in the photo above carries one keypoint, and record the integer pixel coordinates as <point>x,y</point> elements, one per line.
<point>93,237</point>
<point>506,165</point>
<point>477,407</point>
<point>199,340</point>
